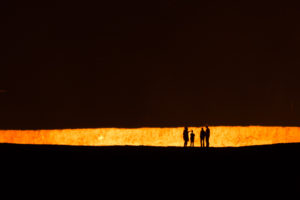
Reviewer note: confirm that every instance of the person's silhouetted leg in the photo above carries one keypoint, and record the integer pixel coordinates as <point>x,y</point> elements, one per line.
<point>207,142</point>
<point>185,136</point>
<point>207,135</point>
<point>202,137</point>
<point>192,138</point>
<point>192,143</point>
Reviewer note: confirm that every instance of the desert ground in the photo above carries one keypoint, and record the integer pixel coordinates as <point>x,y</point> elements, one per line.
<point>85,170</point>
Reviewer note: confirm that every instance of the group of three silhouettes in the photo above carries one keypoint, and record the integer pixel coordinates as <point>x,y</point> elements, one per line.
<point>204,137</point>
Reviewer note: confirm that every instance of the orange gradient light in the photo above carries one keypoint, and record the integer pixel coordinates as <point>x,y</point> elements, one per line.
<point>221,136</point>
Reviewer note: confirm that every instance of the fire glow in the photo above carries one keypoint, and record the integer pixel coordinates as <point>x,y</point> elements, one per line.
<point>221,136</point>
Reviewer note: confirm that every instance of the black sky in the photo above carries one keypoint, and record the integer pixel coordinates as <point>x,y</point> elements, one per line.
<point>68,64</point>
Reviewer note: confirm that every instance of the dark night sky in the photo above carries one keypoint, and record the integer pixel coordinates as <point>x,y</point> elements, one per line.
<point>149,63</point>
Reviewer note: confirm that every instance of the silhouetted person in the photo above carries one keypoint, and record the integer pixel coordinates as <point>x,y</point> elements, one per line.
<point>202,137</point>
<point>185,136</point>
<point>192,139</point>
<point>207,134</point>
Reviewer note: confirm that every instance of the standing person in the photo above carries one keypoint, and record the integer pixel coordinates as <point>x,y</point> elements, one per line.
<point>192,139</point>
<point>202,137</point>
<point>185,136</point>
<point>207,134</point>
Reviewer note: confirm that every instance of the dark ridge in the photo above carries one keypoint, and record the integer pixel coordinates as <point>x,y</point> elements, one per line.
<point>59,170</point>
<point>97,154</point>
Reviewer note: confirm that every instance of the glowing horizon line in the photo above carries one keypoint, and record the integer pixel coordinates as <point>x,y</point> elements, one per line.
<point>221,136</point>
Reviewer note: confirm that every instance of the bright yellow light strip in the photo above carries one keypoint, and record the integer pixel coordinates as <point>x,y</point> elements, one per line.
<point>221,136</point>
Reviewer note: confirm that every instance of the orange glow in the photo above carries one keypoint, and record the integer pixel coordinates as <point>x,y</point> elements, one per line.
<point>221,136</point>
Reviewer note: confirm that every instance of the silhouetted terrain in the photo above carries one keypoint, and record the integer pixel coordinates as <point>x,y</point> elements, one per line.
<point>142,170</point>
<point>130,156</point>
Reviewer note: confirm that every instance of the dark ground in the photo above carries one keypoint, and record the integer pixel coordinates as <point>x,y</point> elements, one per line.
<point>149,170</point>
<point>131,155</point>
